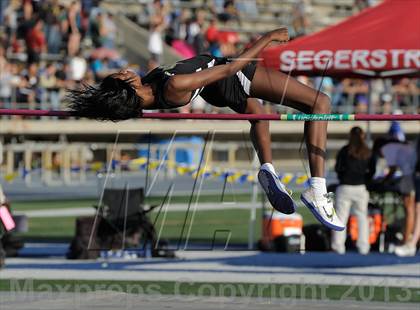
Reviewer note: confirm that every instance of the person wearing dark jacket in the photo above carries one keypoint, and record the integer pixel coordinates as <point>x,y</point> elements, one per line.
<point>352,167</point>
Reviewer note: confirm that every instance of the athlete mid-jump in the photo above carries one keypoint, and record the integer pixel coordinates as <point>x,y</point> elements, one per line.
<point>235,83</point>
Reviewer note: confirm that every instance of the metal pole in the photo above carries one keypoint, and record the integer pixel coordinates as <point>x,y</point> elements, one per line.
<point>369,129</point>
<point>253,211</point>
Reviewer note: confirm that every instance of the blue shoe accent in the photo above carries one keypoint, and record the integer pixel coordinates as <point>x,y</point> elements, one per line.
<point>279,198</point>
<point>312,208</point>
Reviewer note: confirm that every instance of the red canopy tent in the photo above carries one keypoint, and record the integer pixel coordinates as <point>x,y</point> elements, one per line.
<point>382,41</point>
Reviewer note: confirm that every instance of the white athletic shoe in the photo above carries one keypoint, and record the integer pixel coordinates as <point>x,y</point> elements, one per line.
<point>405,250</point>
<point>322,209</point>
<point>278,195</point>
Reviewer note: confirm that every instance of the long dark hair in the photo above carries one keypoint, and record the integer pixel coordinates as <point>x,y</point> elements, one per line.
<point>357,146</point>
<point>113,99</point>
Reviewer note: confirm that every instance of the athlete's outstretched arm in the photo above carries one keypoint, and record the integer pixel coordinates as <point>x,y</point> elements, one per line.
<point>180,84</point>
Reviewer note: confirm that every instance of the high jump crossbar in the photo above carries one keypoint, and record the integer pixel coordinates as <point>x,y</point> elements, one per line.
<point>236,117</point>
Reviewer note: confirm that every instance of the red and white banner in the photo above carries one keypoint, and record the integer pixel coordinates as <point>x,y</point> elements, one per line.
<point>380,41</point>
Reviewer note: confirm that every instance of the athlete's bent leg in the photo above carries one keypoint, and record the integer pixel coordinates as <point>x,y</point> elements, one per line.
<point>274,86</point>
<point>279,197</point>
<point>260,132</point>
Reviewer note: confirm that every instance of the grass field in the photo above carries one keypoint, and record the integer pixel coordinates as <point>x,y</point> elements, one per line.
<point>62,204</point>
<point>203,228</point>
<point>205,223</point>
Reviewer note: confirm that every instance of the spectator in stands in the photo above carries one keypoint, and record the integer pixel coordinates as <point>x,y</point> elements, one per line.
<point>337,99</point>
<point>361,104</point>
<point>101,68</point>
<point>108,31</point>
<point>28,9</point>
<point>355,91</point>
<point>386,103</point>
<point>6,85</point>
<point>352,167</point>
<point>300,21</point>
<point>249,8</point>
<point>64,26</point>
<point>409,248</point>
<point>55,38</point>
<point>50,95</point>
<point>16,81</point>
<point>157,25</point>
<point>195,34</point>
<point>181,33</point>
<point>95,25</point>
<point>363,4</point>
<point>35,42</point>
<point>216,6</point>
<point>52,27</point>
<point>78,67</point>
<point>3,60</point>
<point>179,24</point>
<point>10,23</point>
<point>228,41</point>
<point>404,89</point>
<point>74,24</point>
<point>44,26</point>
<point>28,86</point>
<point>377,88</point>
<point>25,21</point>
<point>229,12</point>
<point>399,156</point>
<point>63,76</point>
<point>212,37</point>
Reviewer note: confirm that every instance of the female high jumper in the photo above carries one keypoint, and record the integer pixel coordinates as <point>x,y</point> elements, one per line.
<point>235,83</point>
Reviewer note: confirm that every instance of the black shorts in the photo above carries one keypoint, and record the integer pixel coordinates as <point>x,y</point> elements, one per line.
<point>233,91</point>
<point>405,185</point>
<point>417,187</point>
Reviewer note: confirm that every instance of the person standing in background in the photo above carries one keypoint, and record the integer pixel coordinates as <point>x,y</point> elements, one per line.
<point>109,31</point>
<point>157,25</point>
<point>399,156</point>
<point>352,167</point>
<point>396,132</point>
<point>74,28</point>
<point>78,67</point>
<point>50,98</point>
<point>6,86</point>
<point>35,42</point>
<point>409,248</point>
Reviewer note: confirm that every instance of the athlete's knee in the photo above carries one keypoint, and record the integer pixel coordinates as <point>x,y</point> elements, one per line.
<point>259,109</point>
<point>323,104</point>
<point>256,109</point>
<point>253,106</point>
